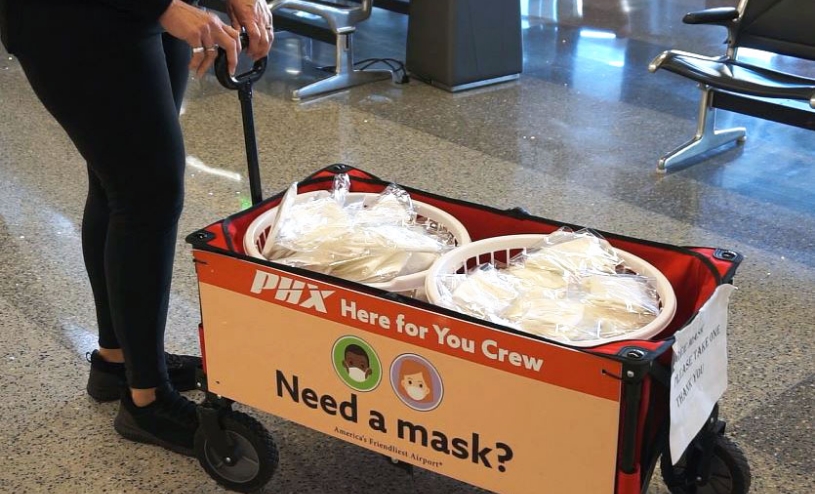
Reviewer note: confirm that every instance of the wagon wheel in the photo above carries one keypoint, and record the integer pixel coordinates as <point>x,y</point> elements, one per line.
<point>729,471</point>
<point>256,454</point>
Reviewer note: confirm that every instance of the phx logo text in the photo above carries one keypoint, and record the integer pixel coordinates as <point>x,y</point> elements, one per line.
<point>291,291</point>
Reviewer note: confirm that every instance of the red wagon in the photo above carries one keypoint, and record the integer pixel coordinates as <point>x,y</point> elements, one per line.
<point>512,413</point>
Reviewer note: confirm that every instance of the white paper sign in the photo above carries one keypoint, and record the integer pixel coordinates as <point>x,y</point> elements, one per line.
<point>699,370</point>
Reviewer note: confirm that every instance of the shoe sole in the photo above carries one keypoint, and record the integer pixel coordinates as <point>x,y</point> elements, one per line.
<point>103,387</point>
<point>138,435</point>
<point>102,394</point>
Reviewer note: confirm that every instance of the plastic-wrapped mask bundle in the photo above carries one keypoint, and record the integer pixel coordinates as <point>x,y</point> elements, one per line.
<point>601,323</point>
<point>545,317</point>
<point>392,207</point>
<point>376,267</point>
<point>484,292</point>
<point>538,279</point>
<point>573,254</point>
<point>308,226</point>
<point>369,242</point>
<point>622,293</point>
<point>572,287</point>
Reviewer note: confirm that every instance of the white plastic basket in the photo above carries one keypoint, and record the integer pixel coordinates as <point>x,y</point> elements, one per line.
<point>500,249</point>
<point>258,231</point>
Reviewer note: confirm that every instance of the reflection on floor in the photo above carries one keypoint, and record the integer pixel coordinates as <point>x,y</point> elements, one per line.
<point>576,138</point>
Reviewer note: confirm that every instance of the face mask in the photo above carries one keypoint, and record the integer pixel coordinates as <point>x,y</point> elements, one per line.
<point>357,374</point>
<point>416,392</point>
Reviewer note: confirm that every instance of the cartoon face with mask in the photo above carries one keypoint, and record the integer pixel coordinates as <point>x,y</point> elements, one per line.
<point>356,363</point>
<point>414,381</point>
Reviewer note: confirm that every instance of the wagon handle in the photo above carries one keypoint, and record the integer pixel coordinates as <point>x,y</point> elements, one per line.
<point>243,84</point>
<point>235,82</point>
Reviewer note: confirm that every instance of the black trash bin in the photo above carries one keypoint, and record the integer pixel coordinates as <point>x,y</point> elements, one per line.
<point>462,44</point>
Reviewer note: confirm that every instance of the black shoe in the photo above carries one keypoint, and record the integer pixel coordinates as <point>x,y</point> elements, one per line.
<point>106,379</point>
<point>169,422</point>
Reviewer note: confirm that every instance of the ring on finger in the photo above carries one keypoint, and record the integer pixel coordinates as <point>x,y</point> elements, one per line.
<point>212,48</point>
<point>198,49</point>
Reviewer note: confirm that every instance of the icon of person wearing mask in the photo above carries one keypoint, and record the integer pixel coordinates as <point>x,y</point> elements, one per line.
<point>357,363</point>
<point>414,382</point>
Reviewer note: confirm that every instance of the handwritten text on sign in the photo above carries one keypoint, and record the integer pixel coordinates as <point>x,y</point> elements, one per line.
<point>699,370</point>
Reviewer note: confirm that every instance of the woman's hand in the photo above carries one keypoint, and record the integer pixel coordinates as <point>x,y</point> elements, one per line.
<point>204,32</point>
<point>255,17</point>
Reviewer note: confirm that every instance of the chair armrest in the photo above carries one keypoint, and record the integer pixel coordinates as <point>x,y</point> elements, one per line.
<point>722,16</point>
<point>340,18</point>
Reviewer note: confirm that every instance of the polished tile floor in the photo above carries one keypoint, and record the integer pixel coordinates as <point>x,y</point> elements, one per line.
<point>576,139</point>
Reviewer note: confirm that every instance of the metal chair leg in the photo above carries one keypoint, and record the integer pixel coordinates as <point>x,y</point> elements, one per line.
<point>706,138</point>
<point>307,49</point>
<point>345,76</point>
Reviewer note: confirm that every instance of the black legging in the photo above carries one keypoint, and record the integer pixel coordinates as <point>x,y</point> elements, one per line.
<point>115,84</point>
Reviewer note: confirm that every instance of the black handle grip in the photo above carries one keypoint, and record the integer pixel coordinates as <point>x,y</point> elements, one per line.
<point>720,15</point>
<point>251,76</point>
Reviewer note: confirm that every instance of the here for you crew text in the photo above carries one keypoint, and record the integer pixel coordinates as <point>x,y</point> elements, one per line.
<point>442,336</point>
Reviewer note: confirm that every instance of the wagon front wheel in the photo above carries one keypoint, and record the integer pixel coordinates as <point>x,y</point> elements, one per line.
<point>729,471</point>
<point>253,459</point>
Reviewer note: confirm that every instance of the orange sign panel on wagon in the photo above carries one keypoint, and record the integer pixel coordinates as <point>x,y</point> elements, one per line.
<point>491,408</point>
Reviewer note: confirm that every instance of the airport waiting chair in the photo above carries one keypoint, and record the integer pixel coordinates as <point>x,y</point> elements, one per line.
<point>782,27</point>
<point>342,17</point>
